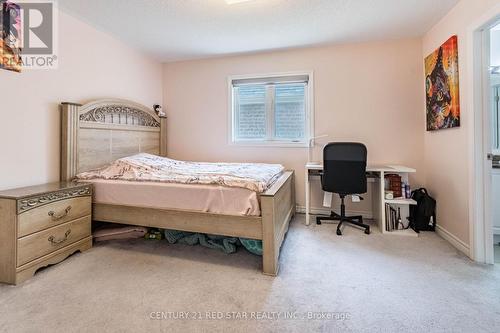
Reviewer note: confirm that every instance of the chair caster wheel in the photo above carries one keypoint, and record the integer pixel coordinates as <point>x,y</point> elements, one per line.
<point>339,233</point>
<point>367,231</point>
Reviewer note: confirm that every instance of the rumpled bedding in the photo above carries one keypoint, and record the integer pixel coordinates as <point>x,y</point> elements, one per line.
<point>226,244</point>
<point>223,243</point>
<point>256,177</point>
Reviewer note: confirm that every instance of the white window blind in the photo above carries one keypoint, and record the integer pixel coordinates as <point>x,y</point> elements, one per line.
<point>270,109</point>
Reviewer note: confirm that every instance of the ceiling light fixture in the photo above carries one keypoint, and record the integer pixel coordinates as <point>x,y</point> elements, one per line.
<point>233,2</point>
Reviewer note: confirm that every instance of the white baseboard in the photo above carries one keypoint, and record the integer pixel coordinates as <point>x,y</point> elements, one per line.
<point>326,211</point>
<point>453,240</point>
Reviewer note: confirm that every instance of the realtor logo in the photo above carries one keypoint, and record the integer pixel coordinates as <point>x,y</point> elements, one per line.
<point>28,35</point>
<point>38,23</point>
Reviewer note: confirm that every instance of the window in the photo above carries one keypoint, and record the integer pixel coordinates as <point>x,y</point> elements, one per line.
<point>271,110</point>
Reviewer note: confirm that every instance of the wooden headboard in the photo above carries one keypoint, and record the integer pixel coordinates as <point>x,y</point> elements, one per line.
<point>97,133</point>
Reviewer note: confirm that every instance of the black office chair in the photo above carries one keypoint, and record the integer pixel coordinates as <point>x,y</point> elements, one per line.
<point>344,173</point>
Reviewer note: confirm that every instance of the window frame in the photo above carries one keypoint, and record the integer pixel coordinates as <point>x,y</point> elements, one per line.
<point>269,142</point>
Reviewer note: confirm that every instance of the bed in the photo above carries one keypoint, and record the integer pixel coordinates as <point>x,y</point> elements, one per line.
<point>96,134</point>
<point>193,197</point>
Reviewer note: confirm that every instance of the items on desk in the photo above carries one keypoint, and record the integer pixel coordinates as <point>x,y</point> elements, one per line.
<point>393,183</point>
<point>312,144</point>
<point>398,188</point>
<point>405,189</point>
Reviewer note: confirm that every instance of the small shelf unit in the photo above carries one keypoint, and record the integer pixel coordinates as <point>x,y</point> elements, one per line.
<point>402,203</point>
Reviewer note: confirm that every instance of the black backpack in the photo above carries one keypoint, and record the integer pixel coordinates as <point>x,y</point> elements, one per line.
<point>423,214</point>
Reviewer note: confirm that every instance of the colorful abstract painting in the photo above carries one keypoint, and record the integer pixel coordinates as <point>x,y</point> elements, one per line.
<point>442,87</point>
<point>10,33</point>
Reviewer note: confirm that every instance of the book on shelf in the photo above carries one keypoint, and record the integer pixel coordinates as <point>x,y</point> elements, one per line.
<point>390,217</point>
<point>393,219</point>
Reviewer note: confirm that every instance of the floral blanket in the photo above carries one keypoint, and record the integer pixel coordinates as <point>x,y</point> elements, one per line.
<point>257,177</point>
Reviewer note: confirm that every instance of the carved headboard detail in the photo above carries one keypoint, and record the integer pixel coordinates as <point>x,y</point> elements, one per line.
<point>121,115</point>
<point>97,133</point>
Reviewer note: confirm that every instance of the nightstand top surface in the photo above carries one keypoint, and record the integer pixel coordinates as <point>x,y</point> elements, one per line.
<point>23,192</point>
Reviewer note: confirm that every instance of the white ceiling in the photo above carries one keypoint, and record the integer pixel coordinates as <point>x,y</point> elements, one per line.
<point>173,30</point>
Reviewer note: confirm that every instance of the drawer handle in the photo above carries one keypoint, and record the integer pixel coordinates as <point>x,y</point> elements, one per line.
<point>59,241</point>
<point>57,217</point>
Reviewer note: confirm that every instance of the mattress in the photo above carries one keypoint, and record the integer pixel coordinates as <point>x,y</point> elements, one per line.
<point>257,177</point>
<point>195,197</point>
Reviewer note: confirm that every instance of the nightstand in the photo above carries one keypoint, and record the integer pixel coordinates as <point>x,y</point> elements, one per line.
<point>42,225</point>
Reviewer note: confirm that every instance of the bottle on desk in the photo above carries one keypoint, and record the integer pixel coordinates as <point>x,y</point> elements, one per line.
<point>405,190</point>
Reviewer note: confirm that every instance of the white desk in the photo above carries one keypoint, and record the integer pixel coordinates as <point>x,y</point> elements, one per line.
<point>314,169</point>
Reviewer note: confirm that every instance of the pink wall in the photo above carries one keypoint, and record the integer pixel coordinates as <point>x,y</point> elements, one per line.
<point>92,65</point>
<point>446,151</point>
<point>371,92</point>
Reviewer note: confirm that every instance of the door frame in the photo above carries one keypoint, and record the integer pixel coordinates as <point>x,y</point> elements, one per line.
<point>479,137</point>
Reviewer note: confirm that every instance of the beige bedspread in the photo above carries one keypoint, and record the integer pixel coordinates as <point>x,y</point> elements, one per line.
<point>192,197</point>
<point>256,177</point>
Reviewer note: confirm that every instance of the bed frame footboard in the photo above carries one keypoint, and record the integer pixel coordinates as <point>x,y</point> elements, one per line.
<point>278,208</point>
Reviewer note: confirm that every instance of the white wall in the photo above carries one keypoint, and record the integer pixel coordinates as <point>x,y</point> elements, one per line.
<point>371,92</point>
<point>92,65</point>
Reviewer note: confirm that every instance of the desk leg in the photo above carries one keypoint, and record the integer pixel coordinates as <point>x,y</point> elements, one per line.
<point>308,194</point>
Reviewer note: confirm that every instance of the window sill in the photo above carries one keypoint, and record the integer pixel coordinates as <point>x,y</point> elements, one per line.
<point>276,144</point>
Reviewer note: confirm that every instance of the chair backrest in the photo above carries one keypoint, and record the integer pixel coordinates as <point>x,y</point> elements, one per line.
<point>344,168</point>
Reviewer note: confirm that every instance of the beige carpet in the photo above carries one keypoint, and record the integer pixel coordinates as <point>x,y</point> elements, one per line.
<point>365,283</point>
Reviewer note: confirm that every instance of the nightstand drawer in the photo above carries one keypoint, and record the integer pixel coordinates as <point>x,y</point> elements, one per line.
<point>53,214</point>
<point>41,243</point>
